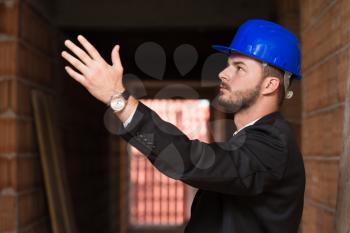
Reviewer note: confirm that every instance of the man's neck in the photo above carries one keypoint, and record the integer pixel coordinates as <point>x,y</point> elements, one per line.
<point>248,115</point>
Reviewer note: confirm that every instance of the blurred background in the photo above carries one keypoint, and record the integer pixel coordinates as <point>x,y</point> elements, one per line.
<point>111,186</point>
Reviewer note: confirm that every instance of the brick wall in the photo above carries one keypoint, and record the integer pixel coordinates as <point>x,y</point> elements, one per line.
<point>25,64</point>
<point>325,45</point>
<point>29,59</point>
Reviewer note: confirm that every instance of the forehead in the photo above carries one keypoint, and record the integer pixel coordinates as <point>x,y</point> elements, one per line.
<point>245,60</point>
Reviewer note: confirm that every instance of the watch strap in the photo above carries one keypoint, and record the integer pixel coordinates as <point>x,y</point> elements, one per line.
<point>125,94</point>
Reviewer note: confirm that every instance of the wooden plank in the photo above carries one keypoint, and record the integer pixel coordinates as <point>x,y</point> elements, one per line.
<point>51,154</point>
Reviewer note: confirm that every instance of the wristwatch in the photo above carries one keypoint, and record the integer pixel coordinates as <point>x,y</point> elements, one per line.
<point>119,100</point>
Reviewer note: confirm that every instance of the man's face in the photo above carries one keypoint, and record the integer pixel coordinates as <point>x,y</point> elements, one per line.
<point>240,83</point>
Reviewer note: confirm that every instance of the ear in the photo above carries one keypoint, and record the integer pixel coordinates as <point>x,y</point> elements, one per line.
<point>270,85</point>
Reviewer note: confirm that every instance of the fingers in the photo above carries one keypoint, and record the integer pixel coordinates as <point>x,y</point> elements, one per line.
<point>81,54</point>
<point>75,75</point>
<point>74,62</point>
<point>89,48</point>
<point>116,57</point>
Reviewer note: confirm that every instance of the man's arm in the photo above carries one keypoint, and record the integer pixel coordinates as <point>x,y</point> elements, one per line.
<point>126,115</point>
<point>253,161</point>
<point>247,165</point>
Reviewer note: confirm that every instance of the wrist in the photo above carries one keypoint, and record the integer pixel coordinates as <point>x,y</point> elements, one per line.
<point>119,100</point>
<point>130,107</point>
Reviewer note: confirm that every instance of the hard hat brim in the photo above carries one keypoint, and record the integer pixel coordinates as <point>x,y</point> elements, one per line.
<point>228,51</point>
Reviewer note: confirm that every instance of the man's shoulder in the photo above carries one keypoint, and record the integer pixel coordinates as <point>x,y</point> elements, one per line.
<point>272,124</point>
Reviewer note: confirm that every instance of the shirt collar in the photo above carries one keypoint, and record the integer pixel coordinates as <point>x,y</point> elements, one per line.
<point>250,123</point>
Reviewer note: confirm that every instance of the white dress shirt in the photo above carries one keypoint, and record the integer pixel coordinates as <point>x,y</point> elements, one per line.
<point>250,123</point>
<point>125,123</point>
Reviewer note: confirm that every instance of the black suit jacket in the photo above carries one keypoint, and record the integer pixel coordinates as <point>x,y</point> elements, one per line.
<point>253,183</point>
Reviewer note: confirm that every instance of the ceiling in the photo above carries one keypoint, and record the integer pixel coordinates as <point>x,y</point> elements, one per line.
<point>136,14</point>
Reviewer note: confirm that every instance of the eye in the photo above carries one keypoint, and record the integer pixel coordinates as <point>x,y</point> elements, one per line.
<point>239,68</point>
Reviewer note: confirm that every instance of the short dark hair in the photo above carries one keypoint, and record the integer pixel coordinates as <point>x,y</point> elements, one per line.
<point>271,71</point>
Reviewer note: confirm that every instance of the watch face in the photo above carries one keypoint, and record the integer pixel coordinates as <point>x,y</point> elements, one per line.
<point>118,104</point>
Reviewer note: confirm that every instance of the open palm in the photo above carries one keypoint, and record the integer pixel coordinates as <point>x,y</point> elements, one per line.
<point>101,79</point>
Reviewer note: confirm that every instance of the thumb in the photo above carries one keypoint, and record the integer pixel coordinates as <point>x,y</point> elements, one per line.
<point>115,56</point>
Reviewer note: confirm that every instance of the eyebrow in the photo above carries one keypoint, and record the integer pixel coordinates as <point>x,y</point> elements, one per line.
<point>236,63</point>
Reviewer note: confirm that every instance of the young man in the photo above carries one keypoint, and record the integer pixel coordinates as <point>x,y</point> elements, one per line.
<point>254,182</point>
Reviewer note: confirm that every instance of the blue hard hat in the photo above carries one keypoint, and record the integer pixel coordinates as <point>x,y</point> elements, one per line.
<point>268,42</point>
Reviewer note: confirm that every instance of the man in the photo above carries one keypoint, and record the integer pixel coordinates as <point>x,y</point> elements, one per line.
<point>254,182</point>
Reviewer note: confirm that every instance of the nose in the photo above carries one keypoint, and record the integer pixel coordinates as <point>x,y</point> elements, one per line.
<point>223,75</point>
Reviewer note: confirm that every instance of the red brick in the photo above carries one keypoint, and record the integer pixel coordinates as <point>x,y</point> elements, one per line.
<point>311,10</point>
<point>322,181</point>
<point>329,33</point>
<point>323,37</point>
<point>35,29</point>
<point>345,20</point>
<point>17,136</point>
<point>316,220</point>
<point>8,135</point>
<point>322,133</point>
<point>8,168</point>
<point>326,85</point>
<point>8,219</point>
<point>32,207</point>
<point>7,95</point>
<point>34,65</point>
<point>15,96</point>
<point>20,173</point>
<point>8,57</point>
<point>9,18</point>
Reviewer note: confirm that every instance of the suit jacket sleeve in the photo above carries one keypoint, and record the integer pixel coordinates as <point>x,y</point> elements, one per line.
<point>252,161</point>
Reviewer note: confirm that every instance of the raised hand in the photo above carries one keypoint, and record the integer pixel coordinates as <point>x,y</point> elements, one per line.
<point>101,79</point>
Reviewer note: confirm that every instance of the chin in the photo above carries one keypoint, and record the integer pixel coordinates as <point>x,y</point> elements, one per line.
<point>224,98</point>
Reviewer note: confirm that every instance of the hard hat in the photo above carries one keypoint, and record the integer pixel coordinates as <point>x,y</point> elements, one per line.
<point>268,42</point>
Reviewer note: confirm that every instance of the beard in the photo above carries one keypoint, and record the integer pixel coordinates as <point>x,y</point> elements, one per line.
<point>238,100</point>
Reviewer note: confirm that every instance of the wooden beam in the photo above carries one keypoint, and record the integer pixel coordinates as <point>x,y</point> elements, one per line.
<point>51,155</point>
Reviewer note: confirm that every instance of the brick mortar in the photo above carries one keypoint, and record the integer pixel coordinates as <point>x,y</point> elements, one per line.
<point>15,155</point>
<point>26,43</point>
<point>319,17</point>
<point>13,193</point>
<point>327,109</point>
<point>321,157</point>
<point>6,38</point>
<point>325,59</point>
<point>319,205</point>
<point>8,3</point>
<point>9,114</point>
<point>28,83</point>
